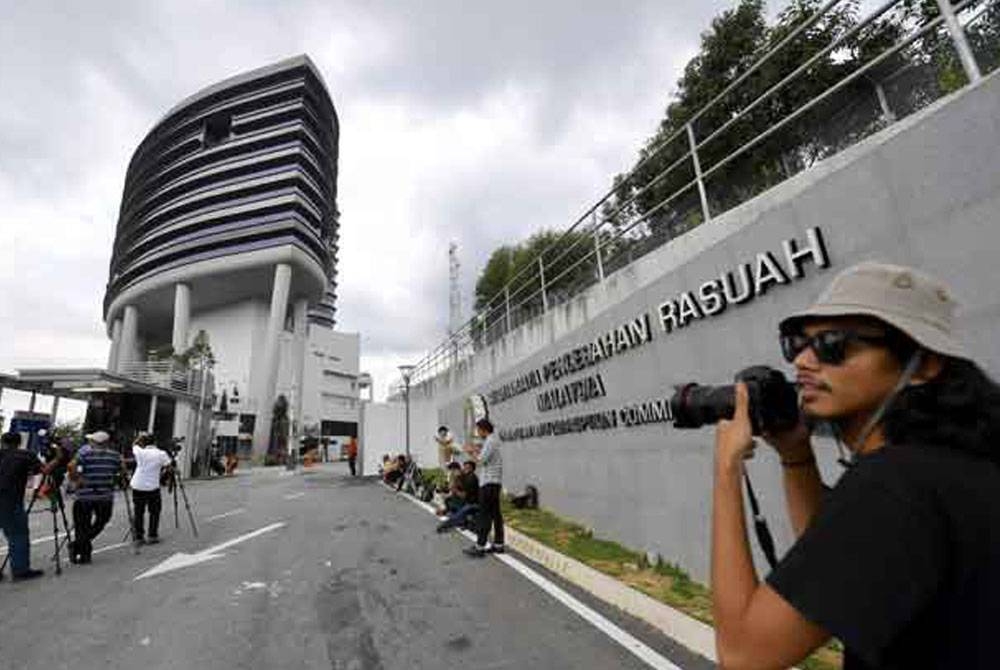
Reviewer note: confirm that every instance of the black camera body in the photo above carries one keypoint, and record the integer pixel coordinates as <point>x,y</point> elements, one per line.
<point>774,404</point>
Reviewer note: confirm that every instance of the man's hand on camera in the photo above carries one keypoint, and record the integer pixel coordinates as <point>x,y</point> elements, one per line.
<point>793,444</point>
<point>734,438</point>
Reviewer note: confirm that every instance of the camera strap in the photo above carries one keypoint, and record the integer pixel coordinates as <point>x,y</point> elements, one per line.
<point>764,538</point>
<point>904,380</point>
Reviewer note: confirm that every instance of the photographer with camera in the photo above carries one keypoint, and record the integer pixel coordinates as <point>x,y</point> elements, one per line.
<point>901,559</point>
<point>16,466</point>
<point>150,461</point>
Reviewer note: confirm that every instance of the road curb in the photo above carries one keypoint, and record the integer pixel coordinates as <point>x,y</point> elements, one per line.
<point>686,631</point>
<point>683,629</point>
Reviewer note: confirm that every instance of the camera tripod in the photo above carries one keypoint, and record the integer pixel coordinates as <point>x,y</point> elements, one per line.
<point>53,487</point>
<point>175,482</point>
<point>126,494</point>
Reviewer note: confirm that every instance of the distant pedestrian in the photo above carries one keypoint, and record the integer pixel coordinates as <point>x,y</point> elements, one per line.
<point>490,462</point>
<point>97,470</point>
<point>352,455</point>
<point>16,465</point>
<point>150,460</point>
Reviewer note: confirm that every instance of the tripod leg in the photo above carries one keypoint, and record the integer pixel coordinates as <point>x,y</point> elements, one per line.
<point>55,534</point>
<point>187,506</point>
<point>177,521</point>
<point>67,531</point>
<point>131,519</point>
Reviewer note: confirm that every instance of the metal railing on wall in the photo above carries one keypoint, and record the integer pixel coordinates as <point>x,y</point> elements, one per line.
<point>889,83</point>
<point>168,375</point>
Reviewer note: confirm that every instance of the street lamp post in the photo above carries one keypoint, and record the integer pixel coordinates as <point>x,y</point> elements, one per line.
<point>407,371</point>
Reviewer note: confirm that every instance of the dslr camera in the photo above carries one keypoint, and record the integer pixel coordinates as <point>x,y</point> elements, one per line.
<point>774,403</point>
<point>173,447</point>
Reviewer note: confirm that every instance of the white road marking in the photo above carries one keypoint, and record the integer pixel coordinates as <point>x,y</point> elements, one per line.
<point>216,517</point>
<point>47,538</point>
<point>293,496</point>
<point>111,546</point>
<point>639,649</point>
<point>183,560</point>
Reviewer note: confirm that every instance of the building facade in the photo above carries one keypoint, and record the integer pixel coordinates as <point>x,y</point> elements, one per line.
<point>229,225</point>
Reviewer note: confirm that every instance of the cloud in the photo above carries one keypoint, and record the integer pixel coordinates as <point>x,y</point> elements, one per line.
<point>479,123</point>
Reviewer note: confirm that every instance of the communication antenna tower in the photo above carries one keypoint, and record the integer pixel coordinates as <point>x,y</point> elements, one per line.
<point>454,290</point>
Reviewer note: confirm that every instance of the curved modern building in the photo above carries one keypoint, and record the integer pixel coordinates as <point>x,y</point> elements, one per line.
<point>228,224</point>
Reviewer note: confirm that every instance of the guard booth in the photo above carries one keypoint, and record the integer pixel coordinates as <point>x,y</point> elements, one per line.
<point>170,404</point>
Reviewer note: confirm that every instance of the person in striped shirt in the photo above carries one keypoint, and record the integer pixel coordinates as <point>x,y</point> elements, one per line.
<point>490,461</point>
<point>97,472</point>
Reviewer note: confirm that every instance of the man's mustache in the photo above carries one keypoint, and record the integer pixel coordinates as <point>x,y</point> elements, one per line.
<point>818,383</point>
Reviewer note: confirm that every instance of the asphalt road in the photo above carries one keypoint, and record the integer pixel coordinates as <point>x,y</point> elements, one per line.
<point>315,570</point>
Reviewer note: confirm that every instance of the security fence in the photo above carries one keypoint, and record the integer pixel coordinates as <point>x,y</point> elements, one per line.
<point>802,100</point>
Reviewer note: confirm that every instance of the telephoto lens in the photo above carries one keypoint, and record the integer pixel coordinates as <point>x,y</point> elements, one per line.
<point>773,402</point>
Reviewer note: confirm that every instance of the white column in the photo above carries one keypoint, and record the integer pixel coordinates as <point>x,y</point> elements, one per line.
<point>130,336</point>
<point>268,370</point>
<point>182,317</point>
<point>182,428</point>
<point>152,414</point>
<point>301,335</point>
<point>54,412</point>
<point>116,341</point>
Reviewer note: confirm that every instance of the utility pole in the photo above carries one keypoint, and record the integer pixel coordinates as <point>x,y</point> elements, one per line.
<point>454,290</point>
<point>406,371</point>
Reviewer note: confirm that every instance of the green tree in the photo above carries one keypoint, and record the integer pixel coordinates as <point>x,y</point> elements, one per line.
<point>71,430</point>
<point>659,200</point>
<point>567,269</point>
<point>199,355</point>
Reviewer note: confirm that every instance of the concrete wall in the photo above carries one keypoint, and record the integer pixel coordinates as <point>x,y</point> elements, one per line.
<point>382,431</point>
<point>236,333</point>
<point>924,192</point>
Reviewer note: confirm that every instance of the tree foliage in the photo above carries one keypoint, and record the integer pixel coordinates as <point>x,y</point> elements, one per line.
<point>658,200</point>
<point>566,268</point>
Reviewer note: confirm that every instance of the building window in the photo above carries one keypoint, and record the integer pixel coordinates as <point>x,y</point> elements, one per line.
<point>218,129</point>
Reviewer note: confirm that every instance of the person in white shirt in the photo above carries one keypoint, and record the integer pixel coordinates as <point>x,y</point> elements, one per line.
<point>446,447</point>
<point>145,483</point>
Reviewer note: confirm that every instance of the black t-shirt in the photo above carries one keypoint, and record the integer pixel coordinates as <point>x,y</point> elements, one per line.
<point>16,465</point>
<point>470,484</point>
<point>902,561</point>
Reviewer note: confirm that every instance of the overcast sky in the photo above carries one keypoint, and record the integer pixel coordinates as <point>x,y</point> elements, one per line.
<point>474,122</point>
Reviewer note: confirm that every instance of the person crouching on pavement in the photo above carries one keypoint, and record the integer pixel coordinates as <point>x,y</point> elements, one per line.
<point>490,461</point>
<point>469,485</point>
<point>150,460</point>
<point>455,495</point>
<point>901,559</point>
<point>96,470</point>
<point>16,466</point>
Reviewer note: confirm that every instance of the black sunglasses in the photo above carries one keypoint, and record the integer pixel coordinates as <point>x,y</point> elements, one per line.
<point>830,346</point>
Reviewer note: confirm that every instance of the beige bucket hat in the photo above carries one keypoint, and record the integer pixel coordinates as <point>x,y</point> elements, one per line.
<point>913,302</point>
<point>100,437</point>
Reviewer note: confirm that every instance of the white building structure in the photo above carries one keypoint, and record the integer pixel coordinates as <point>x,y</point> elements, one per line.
<point>229,225</point>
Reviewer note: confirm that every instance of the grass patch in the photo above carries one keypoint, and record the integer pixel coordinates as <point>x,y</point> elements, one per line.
<point>659,579</point>
<point>436,475</point>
